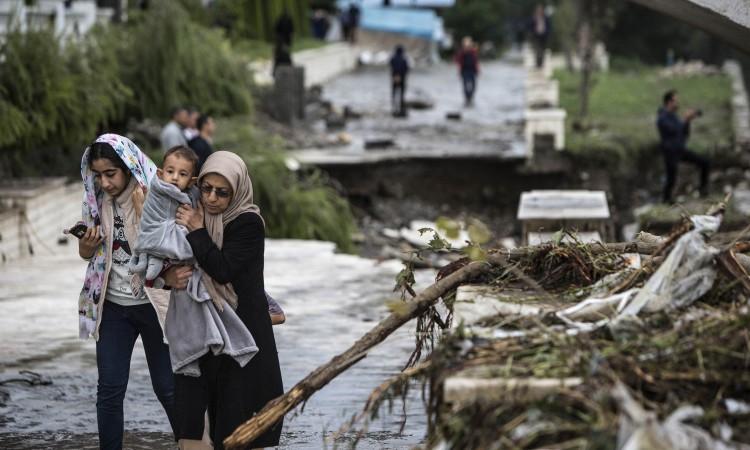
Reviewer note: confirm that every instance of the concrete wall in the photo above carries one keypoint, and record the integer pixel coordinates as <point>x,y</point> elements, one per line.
<point>321,64</point>
<point>72,22</point>
<point>740,106</point>
<point>727,19</point>
<point>34,217</point>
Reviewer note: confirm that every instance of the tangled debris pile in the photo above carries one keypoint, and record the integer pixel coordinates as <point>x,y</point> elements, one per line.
<point>611,356</point>
<point>634,345</point>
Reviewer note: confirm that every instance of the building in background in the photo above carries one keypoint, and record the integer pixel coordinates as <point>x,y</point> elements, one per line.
<point>68,19</point>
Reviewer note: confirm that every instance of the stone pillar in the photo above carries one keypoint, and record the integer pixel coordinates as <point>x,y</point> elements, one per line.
<point>289,94</point>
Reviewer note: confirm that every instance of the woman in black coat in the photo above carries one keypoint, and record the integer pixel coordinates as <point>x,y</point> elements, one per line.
<point>226,233</point>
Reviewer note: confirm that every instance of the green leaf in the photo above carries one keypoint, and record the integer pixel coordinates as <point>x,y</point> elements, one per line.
<point>397,306</point>
<point>479,233</point>
<point>475,253</point>
<point>438,243</point>
<point>449,227</point>
<point>557,237</point>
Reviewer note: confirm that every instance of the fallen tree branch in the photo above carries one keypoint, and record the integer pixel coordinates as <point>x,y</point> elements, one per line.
<point>277,408</point>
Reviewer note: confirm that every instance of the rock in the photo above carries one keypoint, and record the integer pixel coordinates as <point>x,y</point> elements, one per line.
<point>335,121</point>
<point>453,115</point>
<point>349,113</point>
<point>419,99</point>
<point>378,142</point>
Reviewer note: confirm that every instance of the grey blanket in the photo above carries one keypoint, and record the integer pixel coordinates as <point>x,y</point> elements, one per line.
<point>193,325</point>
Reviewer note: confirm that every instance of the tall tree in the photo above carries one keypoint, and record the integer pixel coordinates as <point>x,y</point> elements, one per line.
<point>595,18</point>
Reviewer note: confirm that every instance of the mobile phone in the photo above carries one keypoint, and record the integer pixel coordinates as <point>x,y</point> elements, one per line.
<point>77,230</point>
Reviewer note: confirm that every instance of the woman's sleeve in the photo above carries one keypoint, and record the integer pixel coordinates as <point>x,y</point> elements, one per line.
<point>243,243</point>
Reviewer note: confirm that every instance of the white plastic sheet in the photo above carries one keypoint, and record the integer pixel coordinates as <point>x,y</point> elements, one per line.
<point>641,430</point>
<point>684,276</point>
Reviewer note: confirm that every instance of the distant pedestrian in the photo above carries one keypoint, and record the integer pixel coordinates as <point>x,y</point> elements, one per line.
<point>191,130</point>
<point>354,14</point>
<point>172,133</point>
<point>399,72</point>
<point>468,67</point>
<point>282,56</point>
<point>674,133</point>
<point>282,50</point>
<point>320,24</point>
<point>346,25</point>
<point>202,144</point>
<point>284,29</point>
<point>540,29</point>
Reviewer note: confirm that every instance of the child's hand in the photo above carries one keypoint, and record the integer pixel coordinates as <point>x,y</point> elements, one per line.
<point>191,218</point>
<point>90,241</point>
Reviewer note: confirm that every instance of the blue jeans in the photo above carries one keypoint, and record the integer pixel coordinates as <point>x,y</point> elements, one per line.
<point>120,326</point>
<point>470,84</point>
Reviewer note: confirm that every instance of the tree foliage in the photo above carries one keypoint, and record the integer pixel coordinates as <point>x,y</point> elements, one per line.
<point>294,205</point>
<point>480,19</point>
<point>255,19</point>
<point>170,60</point>
<point>53,96</point>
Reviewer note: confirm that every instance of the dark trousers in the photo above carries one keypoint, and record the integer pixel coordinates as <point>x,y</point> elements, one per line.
<point>540,47</point>
<point>220,390</point>
<point>672,159</point>
<point>398,90</point>
<point>470,85</point>
<point>120,326</point>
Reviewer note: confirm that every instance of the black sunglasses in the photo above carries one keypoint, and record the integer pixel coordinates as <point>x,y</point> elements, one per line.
<point>220,192</point>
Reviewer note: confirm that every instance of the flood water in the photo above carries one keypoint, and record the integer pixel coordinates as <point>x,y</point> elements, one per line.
<point>330,300</point>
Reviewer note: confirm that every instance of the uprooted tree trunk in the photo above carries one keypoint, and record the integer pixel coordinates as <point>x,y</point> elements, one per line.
<point>303,390</point>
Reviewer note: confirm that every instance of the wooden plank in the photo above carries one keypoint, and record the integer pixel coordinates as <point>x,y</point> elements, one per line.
<point>463,389</point>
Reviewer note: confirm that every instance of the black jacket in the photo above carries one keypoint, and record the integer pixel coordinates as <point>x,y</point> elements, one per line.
<point>239,392</point>
<point>202,148</point>
<point>673,131</point>
<point>399,65</point>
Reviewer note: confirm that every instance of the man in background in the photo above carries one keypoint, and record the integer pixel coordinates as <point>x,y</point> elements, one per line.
<point>202,144</point>
<point>172,133</point>
<point>468,67</point>
<point>540,31</point>
<point>674,133</point>
<point>191,130</point>
<point>399,70</point>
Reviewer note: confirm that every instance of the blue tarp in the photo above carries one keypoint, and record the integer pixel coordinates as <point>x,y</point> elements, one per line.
<point>422,23</point>
<point>418,3</point>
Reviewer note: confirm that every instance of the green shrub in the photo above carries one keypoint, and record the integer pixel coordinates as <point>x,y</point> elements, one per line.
<point>168,60</point>
<point>53,99</point>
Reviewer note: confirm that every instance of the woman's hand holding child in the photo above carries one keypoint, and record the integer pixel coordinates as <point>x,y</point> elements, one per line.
<point>191,218</point>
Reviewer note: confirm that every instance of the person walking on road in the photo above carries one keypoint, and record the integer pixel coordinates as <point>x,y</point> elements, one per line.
<point>227,235</point>
<point>674,133</point>
<point>112,309</point>
<point>399,70</point>
<point>468,67</point>
<point>540,31</point>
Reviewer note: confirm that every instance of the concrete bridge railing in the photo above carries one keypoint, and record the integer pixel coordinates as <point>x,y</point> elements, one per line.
<point>727,19</point>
